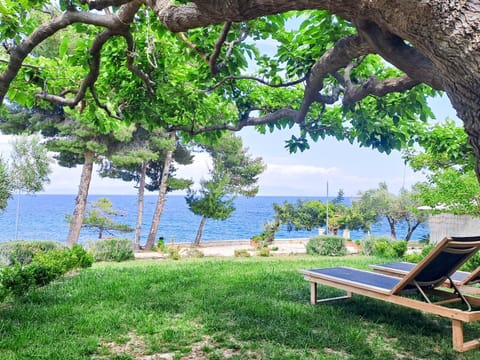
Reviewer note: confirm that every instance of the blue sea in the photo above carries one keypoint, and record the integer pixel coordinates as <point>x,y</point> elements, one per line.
<point>42,217</point>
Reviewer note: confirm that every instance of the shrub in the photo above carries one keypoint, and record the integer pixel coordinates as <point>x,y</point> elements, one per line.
<point>161,247</point>
<point>174,252</point>
<point>22,252</point>
<point>327,245</point>
<point>473,263</point>
<point>241,253</point>
<point>85,258</point>
<point>45,267</point>
<point>16,279</point>
<point>383,247</point>
<point>112,249</point>
<point>264,251</point>
<point>3,290</point>
<point>399,248</point>
<point>415,258</point>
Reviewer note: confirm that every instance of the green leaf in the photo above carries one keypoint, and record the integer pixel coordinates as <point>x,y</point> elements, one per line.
<point>62,50</point>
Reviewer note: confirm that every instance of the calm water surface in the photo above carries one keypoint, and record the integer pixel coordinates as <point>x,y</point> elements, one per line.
<point>42,217</point>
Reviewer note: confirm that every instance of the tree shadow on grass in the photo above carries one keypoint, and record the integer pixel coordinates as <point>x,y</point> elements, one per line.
<point>277,311</point>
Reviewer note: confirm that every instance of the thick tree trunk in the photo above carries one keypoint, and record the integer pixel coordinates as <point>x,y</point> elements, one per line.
<point>393,231</point>
<point>81,200</point>
<point>141,197</point>
<point>411,229</point>
<point>200,231</point>
<point>162,192</point>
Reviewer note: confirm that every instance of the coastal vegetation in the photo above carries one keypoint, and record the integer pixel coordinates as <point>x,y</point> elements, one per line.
<point>371,206</point>
<point>234,172</point>
<point>242,308</point>
<point>100,216</point>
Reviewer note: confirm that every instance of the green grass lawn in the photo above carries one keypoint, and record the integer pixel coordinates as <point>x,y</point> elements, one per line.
<point>238,308</point>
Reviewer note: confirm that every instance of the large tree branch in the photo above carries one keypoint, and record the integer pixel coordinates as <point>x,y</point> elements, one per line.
<point>131,66</point>
<point>250,121</point>
<point>261,81</point>
<point>343,53</point>
<point>90,79</point>
<point>103,4</point>
<point>376,87</point>
<point>393,49</point>
<point>122,20</point>
<point>214,69</point>
<point>20,52</point>
<point>201,13</point>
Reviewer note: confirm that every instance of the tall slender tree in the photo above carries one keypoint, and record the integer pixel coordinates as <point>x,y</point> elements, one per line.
<point>29,168</point>
<point>234,172</point>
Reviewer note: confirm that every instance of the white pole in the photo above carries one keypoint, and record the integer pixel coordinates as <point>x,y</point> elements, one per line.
<point>326,231</point>
<point>17,215</point>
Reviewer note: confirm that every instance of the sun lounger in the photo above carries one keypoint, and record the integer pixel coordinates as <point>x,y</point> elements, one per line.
<point>401,268</point>
<point>426,279</point>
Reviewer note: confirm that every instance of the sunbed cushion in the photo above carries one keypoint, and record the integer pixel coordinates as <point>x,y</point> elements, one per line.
<point>361,277</point>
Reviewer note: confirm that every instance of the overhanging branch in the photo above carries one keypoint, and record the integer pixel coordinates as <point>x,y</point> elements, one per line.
<point>261,81</point>
<point>285,113</point>
<point>397,52</point>
<point>376,87</point>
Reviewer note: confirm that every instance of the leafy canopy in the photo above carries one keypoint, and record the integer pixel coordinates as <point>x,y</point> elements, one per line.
<point>323,78</point>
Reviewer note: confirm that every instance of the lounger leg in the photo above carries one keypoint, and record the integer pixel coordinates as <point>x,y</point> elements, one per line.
<point>314,292</point>
<point>457,334</point>
<point>458,341</point>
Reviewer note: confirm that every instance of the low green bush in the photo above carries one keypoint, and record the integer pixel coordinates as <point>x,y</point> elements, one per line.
<point>264,251</point>
<point>383,247</point>
<point>241,253</point>
<point>417,257</point>
<point>112,249</point>
<point>22,252</point>
<point>326,245</point>
<point>18,279</point>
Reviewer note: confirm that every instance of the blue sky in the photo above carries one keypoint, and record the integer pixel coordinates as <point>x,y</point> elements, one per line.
<point>342,165</point>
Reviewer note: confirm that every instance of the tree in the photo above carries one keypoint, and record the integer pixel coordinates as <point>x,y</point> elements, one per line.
<point>311,214</point>
<point>144,156</point>
<point>353,70</point>
<point>445,158</point>
<point>29,168</point>
<point>5,185</point>
<point>413,216</point>
<point>233,173</point>
<point>210,202</point>
<point>441,146</point>
<point>380,203</point>
<point>303,215</point>
<point>30,164</point>
<point>78,142</point>
<point>451,191</point>
<point>99,217</point>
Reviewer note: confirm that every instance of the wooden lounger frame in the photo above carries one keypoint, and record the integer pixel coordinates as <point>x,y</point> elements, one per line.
<point>458,316</point>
